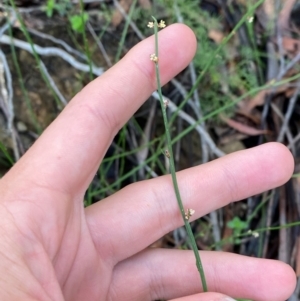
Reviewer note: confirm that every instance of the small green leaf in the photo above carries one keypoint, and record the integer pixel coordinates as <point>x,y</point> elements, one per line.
<point>78,22</point>
<point>50,8</point>
<point>237,224</point>
<point>6,153</point>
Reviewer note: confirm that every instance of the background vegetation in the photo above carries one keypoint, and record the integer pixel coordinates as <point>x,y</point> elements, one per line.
<point>241,90</point>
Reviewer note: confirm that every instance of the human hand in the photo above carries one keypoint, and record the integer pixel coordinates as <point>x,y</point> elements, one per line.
<point>51,248</point>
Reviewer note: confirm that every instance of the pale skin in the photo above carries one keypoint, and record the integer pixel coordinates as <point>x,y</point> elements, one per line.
<point>51,248</point>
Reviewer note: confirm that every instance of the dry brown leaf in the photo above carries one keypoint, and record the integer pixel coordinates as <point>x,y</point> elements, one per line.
<point>245,107</point>
<point>242,128</point>
<point>254,116</point>
<point>228,232</point>
<point>216,36</point>
<point>145,4</point>
<point>290,92</point>
<point>117,16</point>
<point>291,45</point>
<point>284,16</point>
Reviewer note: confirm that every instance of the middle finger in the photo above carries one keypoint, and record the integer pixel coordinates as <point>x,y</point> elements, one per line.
<point>132,219</point>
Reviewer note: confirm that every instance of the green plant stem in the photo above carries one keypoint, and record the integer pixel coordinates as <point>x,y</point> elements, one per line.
<point>125,30</point>
<point>250,28</point>
<point>22,85</point>
<point>261,238</point>
<point>188,130</point>
<point>269,85</point>
<point>285,226</point>
<point>260,230</point>
<point>36,56</point>
<point>249,13</point>
<point>172,166</point>
<point>6,154</point>
<point>85,41</point>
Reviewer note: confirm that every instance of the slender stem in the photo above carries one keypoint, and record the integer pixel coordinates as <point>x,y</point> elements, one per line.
<point>85,41</point>
<point>249,13</point>
<point>125,30</point>
<point>250,93</point>
<point>172,166</point>
<point>35,54</point>
<point>22,85</point>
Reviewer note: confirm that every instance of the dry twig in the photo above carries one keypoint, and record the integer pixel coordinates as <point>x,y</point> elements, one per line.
<point>7,105</point>
<point>51,51</point>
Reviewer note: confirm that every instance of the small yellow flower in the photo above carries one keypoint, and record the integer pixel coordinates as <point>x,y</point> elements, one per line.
<point>150,24</point>
<point>154,58</point>
<point>162,24</point>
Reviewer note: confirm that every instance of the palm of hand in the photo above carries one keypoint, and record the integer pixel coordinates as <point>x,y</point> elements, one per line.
<point>54,249</point>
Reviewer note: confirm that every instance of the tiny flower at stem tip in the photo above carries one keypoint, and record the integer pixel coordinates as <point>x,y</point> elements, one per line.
<point>150,24</point>
<point>162,24</point>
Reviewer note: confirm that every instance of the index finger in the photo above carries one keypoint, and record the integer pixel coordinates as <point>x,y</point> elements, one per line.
<point>67,155</point>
